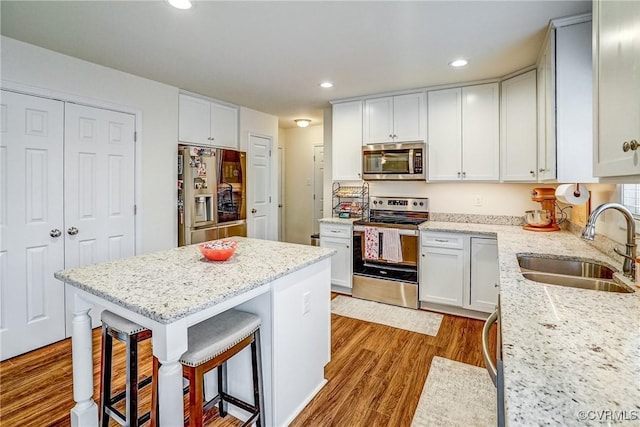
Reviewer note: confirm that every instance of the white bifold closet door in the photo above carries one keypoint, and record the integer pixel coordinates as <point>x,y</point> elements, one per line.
<point>67,193</point>
<point>31,223</point>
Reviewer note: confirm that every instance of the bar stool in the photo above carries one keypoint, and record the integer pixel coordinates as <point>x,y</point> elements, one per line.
<point>130,333</point>
<point>211,344</point>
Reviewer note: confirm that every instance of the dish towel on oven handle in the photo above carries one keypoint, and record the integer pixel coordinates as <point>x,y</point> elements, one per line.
<point>391,246</point>
<point>371,243</point>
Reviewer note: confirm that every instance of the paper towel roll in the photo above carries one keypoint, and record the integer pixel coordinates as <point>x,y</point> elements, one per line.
<point>566,193</point>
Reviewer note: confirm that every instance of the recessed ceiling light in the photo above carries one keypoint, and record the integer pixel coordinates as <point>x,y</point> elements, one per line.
<point>302,123</point>
<point>326,85</point>
<point>458,63</point>
<point>180,4</point>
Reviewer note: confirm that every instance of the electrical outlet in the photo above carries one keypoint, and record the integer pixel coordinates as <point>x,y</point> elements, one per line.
<point>306,302</point>
<point>479,200</point>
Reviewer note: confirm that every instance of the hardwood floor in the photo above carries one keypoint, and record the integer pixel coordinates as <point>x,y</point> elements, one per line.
<point>375,376</point>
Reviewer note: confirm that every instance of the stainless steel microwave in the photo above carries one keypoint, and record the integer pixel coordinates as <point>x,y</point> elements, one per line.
<point>404,161</point>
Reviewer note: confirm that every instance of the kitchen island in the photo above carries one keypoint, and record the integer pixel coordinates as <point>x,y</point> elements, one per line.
<point>571,356</point>
<point>287,285</point>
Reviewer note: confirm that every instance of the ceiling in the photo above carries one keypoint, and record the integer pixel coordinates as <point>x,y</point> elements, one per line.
<point>271,56</point>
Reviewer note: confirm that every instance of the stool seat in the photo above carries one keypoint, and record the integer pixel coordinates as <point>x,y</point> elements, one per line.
<point>218,334</point>
<point>120,324</point>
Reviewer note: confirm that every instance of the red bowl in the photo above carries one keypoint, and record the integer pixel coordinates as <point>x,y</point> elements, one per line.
<point>218,250</point>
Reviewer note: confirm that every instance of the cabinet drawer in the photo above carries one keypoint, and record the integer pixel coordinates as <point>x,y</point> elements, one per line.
<point>442,240</point>
<point>333,230</point>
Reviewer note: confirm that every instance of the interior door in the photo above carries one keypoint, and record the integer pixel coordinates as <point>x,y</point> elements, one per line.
<point>31,223</point>
<point>99,187</point>
<point>318,192</point>
<point>259,187</point>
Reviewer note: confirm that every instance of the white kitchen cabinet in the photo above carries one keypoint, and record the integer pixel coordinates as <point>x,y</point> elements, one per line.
<point>518,128</point>
<point>617,89</point>
<point>203,122</point>
<point>459,271</point>
<point>565,94</point>
<point>347,141</point>
<point>484,274</point>
<point>339,237</point>
<point>443,270</point>
<point>400,118</point>
<point>463,133</point>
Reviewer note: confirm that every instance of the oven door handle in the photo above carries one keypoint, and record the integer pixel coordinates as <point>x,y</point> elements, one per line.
<point>491,367</point>
<point>402,231</point>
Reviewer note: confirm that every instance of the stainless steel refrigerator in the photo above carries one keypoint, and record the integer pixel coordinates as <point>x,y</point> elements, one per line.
<point>211,194</point>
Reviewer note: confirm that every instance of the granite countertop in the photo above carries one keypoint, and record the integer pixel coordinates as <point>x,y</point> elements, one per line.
<point>336,220</point>
<point>168,285</point>
<point>567,352</point>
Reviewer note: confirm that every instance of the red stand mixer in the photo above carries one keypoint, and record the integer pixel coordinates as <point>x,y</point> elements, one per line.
<point>545,218</point>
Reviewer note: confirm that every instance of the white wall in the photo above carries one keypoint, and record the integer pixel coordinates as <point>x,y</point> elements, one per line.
<point>45,71</point>
<point>299,144</point>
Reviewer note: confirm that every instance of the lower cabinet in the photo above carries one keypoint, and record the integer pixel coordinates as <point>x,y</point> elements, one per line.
<point>339,237</point>
<point>459,270</point>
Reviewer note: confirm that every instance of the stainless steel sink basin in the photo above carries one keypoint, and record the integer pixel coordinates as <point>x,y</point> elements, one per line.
<point>569,267</point>
<point>578,282</point>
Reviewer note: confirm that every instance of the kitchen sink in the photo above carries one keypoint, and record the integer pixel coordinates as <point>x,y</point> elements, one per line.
<point>570,267</point>
<point>578,282</point>
<point>574,273</point>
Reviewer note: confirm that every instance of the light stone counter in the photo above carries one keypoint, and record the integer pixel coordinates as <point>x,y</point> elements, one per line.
<point>336,220</point>
<point>185,282</point>
<point>564,350</point>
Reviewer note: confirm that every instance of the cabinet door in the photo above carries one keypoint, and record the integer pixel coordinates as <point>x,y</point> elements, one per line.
<point>194,120</point>
<point>224,126</point>
<point>346,153</point>
<point>480,133</point>
<point>409,117</point>
<point>519,143</point>
<point>378,120</point>
<point>442,275</point>
<point>444,129</point>
<point>483,292</point>
<point>617,46</point>
<point>341,269</point>
<point>547,113</point>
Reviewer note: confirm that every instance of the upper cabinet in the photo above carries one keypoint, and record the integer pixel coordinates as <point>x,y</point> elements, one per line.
<point>346,136</point>
<point>617,88</point>
<point>400,118</point>
<point>463,133</point>
<point>565,107</point>
<point>203,122</point>
<point>518,128</point>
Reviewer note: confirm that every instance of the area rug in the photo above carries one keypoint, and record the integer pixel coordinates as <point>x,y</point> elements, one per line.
<point>419,321</point>
<point>456,394</point>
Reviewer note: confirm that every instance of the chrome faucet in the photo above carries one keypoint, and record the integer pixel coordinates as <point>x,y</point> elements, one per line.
<point>629,265</point>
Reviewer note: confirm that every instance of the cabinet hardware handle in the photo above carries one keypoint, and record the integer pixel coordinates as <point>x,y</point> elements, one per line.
<point>495,285</point>
<point>55,233</point>
<point>391,136</point>
<point>542,170</point>
<point>72,231</point>
<point>464,174</point>
<point>347,246</point>
<point>633,144</point>
<point>254,210</point>
<point>459,174</point>
<point>533,173</point>
<point>395,136</point>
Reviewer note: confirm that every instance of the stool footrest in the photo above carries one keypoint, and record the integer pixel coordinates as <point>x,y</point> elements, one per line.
<point>237,402</point>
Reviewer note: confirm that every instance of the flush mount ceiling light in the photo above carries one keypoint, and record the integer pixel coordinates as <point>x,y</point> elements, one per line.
<point>458,63</point>
<point>180,4</point>
<point>302,123</point>
<point>326,85</point>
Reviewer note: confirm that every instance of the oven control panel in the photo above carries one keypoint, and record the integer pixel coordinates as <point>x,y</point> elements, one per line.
<point>402,204</point>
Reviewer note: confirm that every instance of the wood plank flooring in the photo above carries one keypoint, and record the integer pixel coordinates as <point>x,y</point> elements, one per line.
<point>375,376</point>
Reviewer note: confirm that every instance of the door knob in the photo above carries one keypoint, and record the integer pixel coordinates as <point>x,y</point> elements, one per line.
<point>72,231</point>
<point>280,205</point>
<point>254,210</point>
<point>55,233</point>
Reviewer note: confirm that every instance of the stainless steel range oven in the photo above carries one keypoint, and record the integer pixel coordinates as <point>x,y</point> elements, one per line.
<point>385,251</point>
